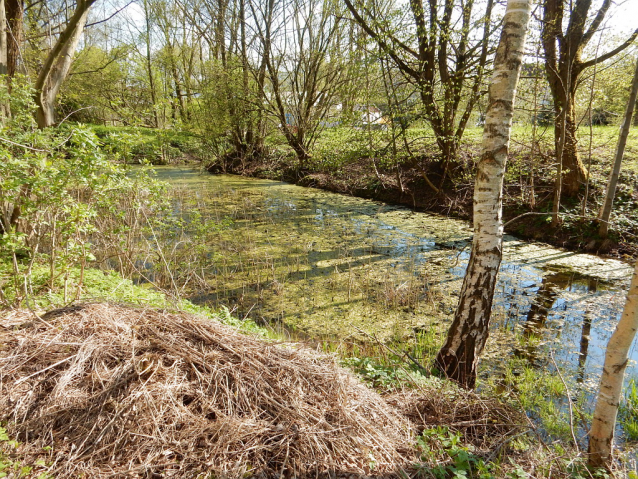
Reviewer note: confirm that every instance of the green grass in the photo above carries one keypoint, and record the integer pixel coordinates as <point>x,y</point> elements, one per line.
<point>155,146</point>
<point>339,146</point>
<point>103,285</point>
<point>628,411</point>
<point>13,467</point>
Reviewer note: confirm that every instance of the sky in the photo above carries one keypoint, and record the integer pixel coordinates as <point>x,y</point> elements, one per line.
<point>622,18</point>
<point>625,16</point>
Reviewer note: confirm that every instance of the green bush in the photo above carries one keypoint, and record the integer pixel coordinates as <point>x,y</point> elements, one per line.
<point>56,186</point>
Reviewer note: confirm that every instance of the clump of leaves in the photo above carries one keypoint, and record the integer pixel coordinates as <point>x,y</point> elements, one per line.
<point>14,468</point>
<point>58,187</point>
<point>388,375</point>
<point>380,376</point>
<point>454,459</point>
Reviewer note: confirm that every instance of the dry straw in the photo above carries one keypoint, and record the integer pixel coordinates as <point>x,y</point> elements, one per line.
<point>123,392</point>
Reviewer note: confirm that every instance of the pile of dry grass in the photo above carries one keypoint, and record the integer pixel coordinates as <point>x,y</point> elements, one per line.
<point>485,423</point>
<point>123,392</point>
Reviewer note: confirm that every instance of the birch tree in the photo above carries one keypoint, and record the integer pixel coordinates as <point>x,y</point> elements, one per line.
<point>458,358</point>
<point>605,211</point>
<point>601,435</point>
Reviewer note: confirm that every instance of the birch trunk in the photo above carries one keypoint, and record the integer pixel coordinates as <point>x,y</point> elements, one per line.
<point>605,211</point>
<point>58,63</point>
<point>458,358</point>
<point>611,381</point>
<point>3,39</point>
<point>4,107</point>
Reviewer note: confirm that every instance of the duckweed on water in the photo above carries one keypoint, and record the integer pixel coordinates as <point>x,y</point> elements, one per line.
<point>328,264</point>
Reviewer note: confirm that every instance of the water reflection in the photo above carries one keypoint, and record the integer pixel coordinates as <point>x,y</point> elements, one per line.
<point>584,347</point>
<point>326,263</point>
<point>562,311</point>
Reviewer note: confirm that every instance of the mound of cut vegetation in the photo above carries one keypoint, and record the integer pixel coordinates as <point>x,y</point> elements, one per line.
<point>100,390</point>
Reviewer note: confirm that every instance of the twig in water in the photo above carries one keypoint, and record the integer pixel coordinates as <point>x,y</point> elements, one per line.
<point>569,401</point>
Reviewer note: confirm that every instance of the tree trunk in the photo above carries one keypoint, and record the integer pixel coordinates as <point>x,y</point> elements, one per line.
<point>295,137</point>
<point>564,65</point>
<point>601,435</point>
<point>605,211</point>
<point>4,106</point>
<point>58,63</point>
<point>149,64</point>
<point>3,39</point>
<point>458,358</point>
<point>15,24</point>
<point>573,169</point>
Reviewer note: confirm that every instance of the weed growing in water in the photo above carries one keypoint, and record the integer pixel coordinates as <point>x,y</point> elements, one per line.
<point>628,412</point>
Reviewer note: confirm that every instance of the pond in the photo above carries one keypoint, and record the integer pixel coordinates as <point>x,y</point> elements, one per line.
<point>327,266</point>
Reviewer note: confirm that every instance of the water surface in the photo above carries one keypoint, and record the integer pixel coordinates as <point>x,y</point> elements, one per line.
<point>328,265</point>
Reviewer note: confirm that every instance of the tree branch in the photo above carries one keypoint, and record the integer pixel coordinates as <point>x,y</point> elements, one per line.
<point>612,53</point>
<point>384,46</point>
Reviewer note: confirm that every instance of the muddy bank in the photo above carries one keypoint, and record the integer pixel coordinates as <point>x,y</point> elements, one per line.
<point>407,186</point>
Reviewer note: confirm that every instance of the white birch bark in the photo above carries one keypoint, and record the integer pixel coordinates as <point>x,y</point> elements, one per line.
<point>601,435</point>
<point>4,106</point>
<point>605,211</point>
<point>3,39</point>
<point>468,333</point>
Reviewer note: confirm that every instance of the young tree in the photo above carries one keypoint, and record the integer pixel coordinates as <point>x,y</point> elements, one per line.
<point>458,358</point>
<point>167,19</point>
<point>564,65</point>
<point>148,62</point>
<point>601,435</point>
<point>605,211</point>
<point>4,106</point>
<point>303,66</point>
<point>444,52</point>
<point>234,74</point>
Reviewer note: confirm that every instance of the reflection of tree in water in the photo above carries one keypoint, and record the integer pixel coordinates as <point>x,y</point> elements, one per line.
<point>584,346</point>
<point>542,305</point>
<point>536,321</point>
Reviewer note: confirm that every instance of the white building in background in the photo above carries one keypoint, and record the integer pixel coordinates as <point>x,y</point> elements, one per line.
<point>370,115</point>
